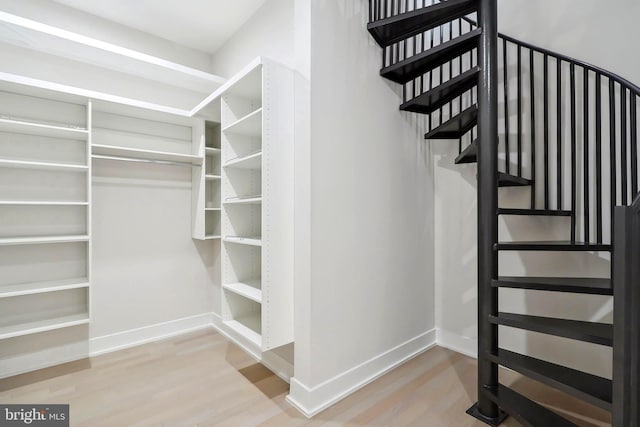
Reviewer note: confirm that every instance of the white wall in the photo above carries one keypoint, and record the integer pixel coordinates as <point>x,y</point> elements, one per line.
<point>147,270</point>
<point>601,33</point>
<point>269,32</point>
<point>591,31</point>
<point>370,303</point>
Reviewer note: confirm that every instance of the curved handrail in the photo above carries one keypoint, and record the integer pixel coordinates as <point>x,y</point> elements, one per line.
<point>621,80</point>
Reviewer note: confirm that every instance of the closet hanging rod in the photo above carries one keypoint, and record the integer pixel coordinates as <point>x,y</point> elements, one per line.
<point>133,159</point>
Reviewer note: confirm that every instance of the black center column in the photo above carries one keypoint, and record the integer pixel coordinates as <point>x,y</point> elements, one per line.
<point>485,409</point>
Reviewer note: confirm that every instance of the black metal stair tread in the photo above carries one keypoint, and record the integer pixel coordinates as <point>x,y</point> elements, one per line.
<point>397,28</point>
<point>596,333</point>
<point>417,65</point>
<point>582,285</point>
<point>533,212</point>
<point>457,126</point>
<point>433,99</point>
<point>524,410</point>
<point>469,154</point>
<point>506,180</point>
<point>553,245</point>
<point>590,388</point>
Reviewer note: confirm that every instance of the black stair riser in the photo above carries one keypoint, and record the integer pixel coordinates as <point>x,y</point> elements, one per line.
<point>589,286</point>
<point>441,95</point>
<point>590,388</point>
<point>417,65</point>
<point>469,154</point>
<point>552,246</point>
<point>400,27</point>
<point>596,333</point>
<point>457,126</point>
<point>526,411</point>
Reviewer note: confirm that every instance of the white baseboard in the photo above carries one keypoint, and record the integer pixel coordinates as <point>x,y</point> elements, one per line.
<point>134,337</point>
<point>458,343</point>
<point>312,400</point>
<point>276,364</point>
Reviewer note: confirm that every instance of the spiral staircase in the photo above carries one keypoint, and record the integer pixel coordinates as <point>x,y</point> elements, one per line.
<point>538,120</point>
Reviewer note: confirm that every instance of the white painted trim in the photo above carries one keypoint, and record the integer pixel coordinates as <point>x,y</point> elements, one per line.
<point>312,400</point>
<point>458,343</point>
<point>90,94</point>
<point>279,366</point>
<point>146,334</point>
<point>233,80</point>
<point>108,47</point>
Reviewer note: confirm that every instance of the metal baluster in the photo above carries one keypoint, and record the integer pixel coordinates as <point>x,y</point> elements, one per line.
<point>519,110</point>
<point>612,144</point>
<point>623,144</point>
<point>599,157</point>
<point>559,133</point>
<point>546,129</point>
<point>573,154</point>
<point>585,168</point>
<point>634,146</point>
<point>533,127</point>
<point>506,105</point>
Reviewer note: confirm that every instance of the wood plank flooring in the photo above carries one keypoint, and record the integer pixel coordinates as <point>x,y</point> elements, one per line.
<point>202,379</point>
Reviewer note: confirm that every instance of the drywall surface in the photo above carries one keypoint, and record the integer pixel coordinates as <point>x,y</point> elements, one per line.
<point>51,13</point>
<point>587,31</point>
<point>601,33</point>
<point>269,32</point>
<point>147,270</point>
<point>371,299</point>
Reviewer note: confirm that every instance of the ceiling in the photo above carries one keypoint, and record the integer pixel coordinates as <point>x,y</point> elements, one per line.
<point>199,24</point>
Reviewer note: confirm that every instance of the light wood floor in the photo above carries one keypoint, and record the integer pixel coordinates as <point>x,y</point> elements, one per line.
<point>203,379</point>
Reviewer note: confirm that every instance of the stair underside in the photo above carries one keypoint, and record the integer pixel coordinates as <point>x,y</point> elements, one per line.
<point>594,286</point>
<point>397,28</point>
<point>596,333</point>
<point>457,126</point>
<point>527,412</point>
<point>417,65</point>
<point>590,388</point>
<point>506,180</point>
<point>469,154</point>
<point>533,212</point>
<point>435,98</point>
<point>554,245</point>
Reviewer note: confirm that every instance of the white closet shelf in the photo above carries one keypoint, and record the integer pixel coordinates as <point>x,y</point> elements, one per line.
<point>42,129</point>
<point>251,161</point>
<point>249,200</point>
<point>248,332</point>
<point>212,209</point>
<point>21,164</point>
<point>211,150</point>
<point>43,325</point>
<point>249,240</point>
<point>40,239</point>
<point>7,291</point>
<point>249,125</point>
<point>212,177</point>
<point>211,237</point>
<point>250,289</point>
<point>136,153</point>
<point>40,203</point>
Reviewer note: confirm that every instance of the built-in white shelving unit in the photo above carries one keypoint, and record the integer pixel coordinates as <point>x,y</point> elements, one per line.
<point>136,153</point>
<point>45,232</point>
<point>206,184</point>
<point>257,207</point>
